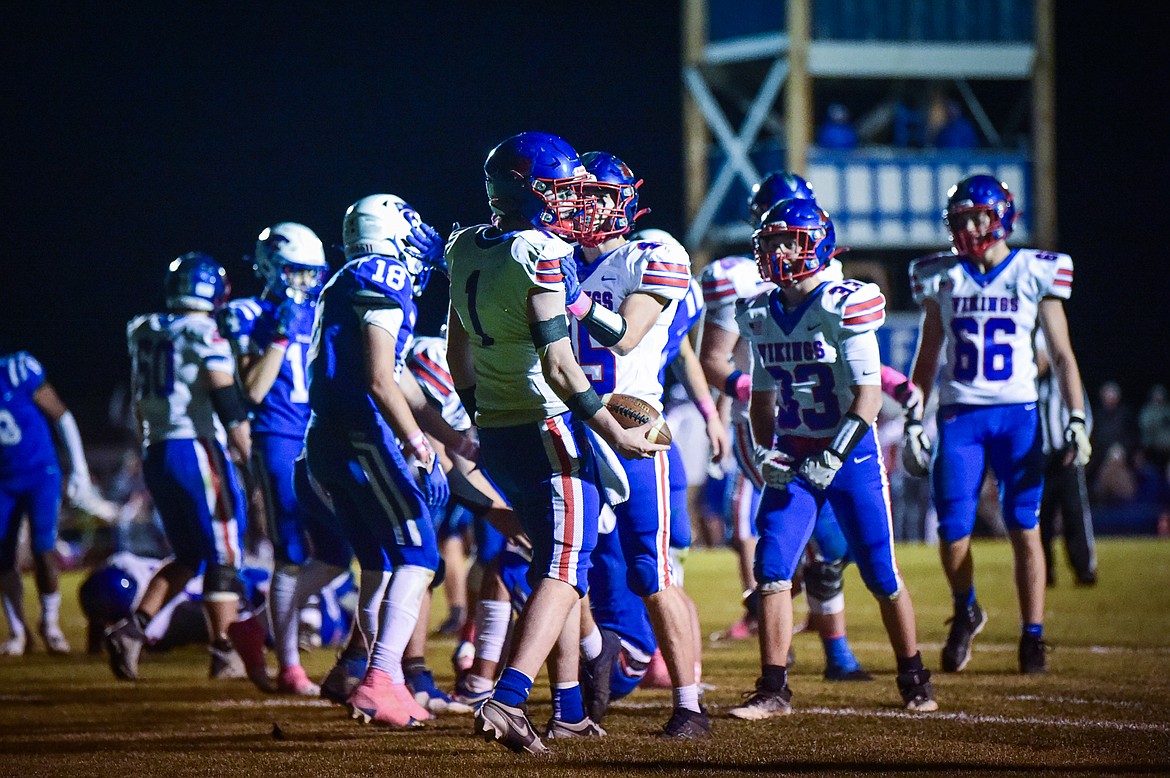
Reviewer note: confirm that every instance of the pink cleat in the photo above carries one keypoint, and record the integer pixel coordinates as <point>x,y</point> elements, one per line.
<point>249,637</point>
<point>294,680</point>
<point>403,694</point>
<point>374,702</point>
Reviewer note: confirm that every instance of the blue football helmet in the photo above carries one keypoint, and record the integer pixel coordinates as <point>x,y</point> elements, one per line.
<point>795,240</point>
<point>107,595</point>
<point>617,184</point>
<point>383,224</point>
<point>979,193</point>
<point>774,187</point>
<point>290,260</point>
<point>538,178</point>
<point>196,282</point>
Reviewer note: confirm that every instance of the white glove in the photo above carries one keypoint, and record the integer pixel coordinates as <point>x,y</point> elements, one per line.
<point>820,469</point>
<point>916,451</point>
<point>1076,440</point>
<point>775,467</point>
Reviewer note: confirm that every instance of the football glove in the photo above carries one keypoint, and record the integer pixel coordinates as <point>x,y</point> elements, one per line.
<point>285,318</point>
<point>916,451</point>
<point>820,469</point>
<point>1076,439</point>
<point>910,396</point>
<point>428,245</point>
<point>572,285</point>
<point>436,491</point>
<point>775,467</point>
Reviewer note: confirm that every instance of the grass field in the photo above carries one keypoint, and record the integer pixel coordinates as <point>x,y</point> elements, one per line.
<point>1104,708</point>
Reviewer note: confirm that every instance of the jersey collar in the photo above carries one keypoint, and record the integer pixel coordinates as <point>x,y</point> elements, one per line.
<point>789,319</point>
<point>984,279</point>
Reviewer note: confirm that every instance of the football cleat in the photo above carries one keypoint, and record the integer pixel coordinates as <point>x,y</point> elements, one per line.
<point>343,679</point>
<point>54,638</point>
<point>403,694</point>
<point>249,637</point>
<point>509,726</point>
<point>123,643</point>
<point>16,646</point>
<point>1033,655</point>
<point>431,697</point>
<point>226,665</point>
<point>965,626</point>
<point>294,680</point>
<point>586,727</point>
<point>375,702</point>
<point>764,704</point>
<point>596,675</point>
<point>686,724</point>
<point>917,691</point>
<point>744,629</point>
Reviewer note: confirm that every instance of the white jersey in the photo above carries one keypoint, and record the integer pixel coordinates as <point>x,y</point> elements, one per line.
<point>988,319</point>
<point>813,354</point>
<point>659,269</point>
<point>428,361</point>
<point>171,355</point>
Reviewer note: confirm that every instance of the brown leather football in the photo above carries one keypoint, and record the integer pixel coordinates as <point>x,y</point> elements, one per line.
<point>632,411</point>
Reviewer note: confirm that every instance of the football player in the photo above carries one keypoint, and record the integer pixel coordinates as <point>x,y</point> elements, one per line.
<point>271,338</point>
<point>981,302</point>
<point>30,483</point>
<point>624,296</point>
<point>361,425</point>
<point>188,404</point>
<point>512,363</point>
<point>816,391</point>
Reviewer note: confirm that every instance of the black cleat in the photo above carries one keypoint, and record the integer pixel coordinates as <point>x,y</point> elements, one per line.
<point>123,643</point>
<point>964,627</point>
<point>1033,655</point>
<point>917,691</point>
<point>764,704</point>
<point>686,724</point>
<point>595,676</point>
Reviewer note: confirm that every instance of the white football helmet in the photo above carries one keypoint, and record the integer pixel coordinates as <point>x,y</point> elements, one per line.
<point>290,259</point>
<point>378,224</point>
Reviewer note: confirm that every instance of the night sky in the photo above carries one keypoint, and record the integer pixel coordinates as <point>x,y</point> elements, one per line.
<point>134,137</point>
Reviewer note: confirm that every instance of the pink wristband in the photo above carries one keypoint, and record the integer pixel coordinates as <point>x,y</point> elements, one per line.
<point>418,444</point>
<point>706,407</point>
<point>891,380</point>
<point>580,306</point>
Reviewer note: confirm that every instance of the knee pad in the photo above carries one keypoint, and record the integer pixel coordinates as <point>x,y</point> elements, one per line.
<point>772,587</point>
<point>221,583</point>
<point>823,580</point>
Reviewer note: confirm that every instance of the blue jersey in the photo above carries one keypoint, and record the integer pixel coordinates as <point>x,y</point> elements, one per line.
<point>370,290</point>
<point>250,324</point>
<point>26,442</point>
<point>689,311</point>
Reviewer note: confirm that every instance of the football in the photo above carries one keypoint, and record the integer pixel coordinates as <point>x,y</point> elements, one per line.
<point>632,411</point>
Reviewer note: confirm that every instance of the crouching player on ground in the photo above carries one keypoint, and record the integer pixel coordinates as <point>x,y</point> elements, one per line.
<point>816,390</point>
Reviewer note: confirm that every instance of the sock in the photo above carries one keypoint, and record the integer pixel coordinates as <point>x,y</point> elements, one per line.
<point>839,655</point>
<point>591,644</point>
<point>567,703</point>
<point>964,600</point>
<point>282,606</point>
<point>491,628</point>
<point>1034,630</point>
<point>910,664</point>
<point>774,677</point>
<point>12,593</point>
<point>399,615</point>
<point>314,575</point>
<point>687,697</point>
<point>476,684</point>
<point>371,591</point>
<point>413,667</point>
<point>513,687</point>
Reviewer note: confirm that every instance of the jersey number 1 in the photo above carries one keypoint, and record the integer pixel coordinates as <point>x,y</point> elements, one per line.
<point>471,289</point>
